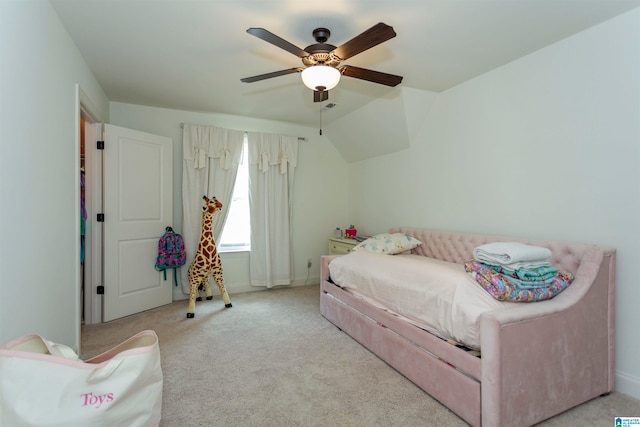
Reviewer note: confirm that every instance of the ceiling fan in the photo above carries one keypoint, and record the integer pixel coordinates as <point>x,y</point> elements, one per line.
<point>322,72</point>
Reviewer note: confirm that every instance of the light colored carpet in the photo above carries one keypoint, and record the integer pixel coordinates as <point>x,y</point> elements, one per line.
<point>273,360</point>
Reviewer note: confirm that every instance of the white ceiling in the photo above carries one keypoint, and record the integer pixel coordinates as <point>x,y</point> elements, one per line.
<point>191,54</point>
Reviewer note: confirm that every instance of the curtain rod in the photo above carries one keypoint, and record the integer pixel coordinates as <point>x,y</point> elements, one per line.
<point>300,138</point>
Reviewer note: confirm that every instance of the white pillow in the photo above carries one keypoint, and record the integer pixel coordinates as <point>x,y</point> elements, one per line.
<point>388,243</point>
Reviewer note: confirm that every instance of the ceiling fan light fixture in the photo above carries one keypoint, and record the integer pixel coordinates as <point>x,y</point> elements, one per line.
<point>320,75</point>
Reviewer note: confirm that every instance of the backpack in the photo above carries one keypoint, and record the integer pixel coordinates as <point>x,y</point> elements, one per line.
<point>171,253</point>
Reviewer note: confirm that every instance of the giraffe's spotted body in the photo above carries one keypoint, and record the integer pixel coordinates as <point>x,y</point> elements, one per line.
<point>207,260</point>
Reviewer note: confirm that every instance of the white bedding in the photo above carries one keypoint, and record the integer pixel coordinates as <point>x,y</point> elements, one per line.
<point>435,295</point>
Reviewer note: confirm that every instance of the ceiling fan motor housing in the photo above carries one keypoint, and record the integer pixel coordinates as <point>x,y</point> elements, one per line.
<point>320,53</point>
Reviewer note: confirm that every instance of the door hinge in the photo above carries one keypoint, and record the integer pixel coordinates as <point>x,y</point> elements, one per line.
<point>100,290</point>
<point>100,217</point>
<point>100,145</point>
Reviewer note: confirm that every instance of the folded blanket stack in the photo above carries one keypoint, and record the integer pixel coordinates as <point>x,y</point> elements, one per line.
<point>512,255</point>
<point>513,271</point>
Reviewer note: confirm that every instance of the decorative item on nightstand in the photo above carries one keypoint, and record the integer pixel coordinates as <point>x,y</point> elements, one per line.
<point>350,232</point>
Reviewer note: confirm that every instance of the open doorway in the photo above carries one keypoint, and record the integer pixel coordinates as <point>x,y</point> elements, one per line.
<point>120,250</point>
<point>89,128</point>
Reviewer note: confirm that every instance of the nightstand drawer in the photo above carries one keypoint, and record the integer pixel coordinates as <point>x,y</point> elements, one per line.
<point>341,246</point>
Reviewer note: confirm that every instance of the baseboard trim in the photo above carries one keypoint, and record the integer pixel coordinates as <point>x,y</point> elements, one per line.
<point>627,384</point>
<point>238,288</point>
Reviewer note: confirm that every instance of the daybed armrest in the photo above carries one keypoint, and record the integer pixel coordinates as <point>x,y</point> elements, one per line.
<point>585,276</point>
<point>539,359</point>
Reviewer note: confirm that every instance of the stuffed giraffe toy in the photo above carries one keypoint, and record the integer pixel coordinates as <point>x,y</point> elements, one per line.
<point>206,261</point>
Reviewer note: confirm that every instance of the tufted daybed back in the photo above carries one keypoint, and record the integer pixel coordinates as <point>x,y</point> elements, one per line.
<point>458,247</point>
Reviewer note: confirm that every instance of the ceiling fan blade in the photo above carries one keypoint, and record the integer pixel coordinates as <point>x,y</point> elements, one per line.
<point>372,37</point>
<point>269,37</point>
<point>320,95</point>
<point>370,75</point>
<point>270,75</point>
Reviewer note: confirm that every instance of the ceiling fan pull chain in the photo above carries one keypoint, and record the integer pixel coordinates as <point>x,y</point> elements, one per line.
<point>320,121</point>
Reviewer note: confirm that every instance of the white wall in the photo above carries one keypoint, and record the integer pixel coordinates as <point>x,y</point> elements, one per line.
<point>39,172</point>
<point>320,193</point>
<point>547,147</point>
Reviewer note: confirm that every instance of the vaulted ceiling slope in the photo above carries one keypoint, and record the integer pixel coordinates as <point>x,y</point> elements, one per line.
<point>385,125</point>
<point>191,54</point>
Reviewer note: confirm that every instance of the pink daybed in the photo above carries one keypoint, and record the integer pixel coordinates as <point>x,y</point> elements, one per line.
<point>537,359</point>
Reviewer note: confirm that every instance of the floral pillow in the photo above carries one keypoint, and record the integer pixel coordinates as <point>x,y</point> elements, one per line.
<point>388,243</point>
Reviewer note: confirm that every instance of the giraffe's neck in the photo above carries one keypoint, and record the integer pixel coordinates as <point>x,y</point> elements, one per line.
<point>207,222</point>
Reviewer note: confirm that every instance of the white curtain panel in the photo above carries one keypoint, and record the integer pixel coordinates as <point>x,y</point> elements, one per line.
<point>211,157</point>
<point>272,163</point>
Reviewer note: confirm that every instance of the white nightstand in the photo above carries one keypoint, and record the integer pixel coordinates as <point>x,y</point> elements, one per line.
<point>338,246</point>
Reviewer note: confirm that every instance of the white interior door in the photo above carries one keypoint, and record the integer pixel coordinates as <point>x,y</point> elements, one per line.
<point>138,199</point>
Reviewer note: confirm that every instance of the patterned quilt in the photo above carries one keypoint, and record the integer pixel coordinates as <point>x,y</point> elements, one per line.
<point>507,287</point>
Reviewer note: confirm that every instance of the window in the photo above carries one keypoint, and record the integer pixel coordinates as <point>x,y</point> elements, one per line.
<point>236,234</point>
